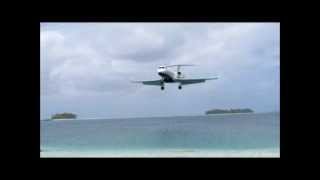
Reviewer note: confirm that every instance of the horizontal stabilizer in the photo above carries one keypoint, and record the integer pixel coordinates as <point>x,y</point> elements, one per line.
<point>176,65</point>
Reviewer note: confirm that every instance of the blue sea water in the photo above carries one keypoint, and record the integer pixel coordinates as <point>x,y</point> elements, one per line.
<point>229,135</point>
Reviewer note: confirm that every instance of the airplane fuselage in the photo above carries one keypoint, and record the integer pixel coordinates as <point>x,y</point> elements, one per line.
<point>166,75</point>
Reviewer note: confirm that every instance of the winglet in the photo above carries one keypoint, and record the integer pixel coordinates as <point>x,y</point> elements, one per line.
<point>136,81</point>
<point>212,78</point>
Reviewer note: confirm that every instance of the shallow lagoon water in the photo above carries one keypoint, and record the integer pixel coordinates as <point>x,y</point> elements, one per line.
<point>229,135</point>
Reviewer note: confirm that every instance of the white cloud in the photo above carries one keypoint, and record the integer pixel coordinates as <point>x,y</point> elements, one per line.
<point>99,60</point>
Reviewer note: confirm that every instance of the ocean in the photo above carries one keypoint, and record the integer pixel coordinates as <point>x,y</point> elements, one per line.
<point>224,135</point>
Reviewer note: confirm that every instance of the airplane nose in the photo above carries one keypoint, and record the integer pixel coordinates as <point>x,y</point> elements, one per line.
<point>160,70</point>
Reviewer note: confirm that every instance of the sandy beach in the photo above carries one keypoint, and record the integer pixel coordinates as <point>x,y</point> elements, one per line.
<point>165,153</point>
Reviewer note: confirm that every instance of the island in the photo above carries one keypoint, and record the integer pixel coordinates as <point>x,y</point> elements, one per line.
<point>63,116</point>
<point>228,111</point>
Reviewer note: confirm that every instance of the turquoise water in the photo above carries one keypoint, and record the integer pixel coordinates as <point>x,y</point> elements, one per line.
<point>190,135</point>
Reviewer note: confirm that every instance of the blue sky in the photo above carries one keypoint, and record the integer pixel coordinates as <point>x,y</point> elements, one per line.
<point>86,68</point>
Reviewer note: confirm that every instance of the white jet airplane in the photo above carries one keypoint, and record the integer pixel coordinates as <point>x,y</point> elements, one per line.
<point>173,77</point>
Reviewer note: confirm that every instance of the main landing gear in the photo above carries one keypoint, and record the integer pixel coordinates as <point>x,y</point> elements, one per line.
<point>162,87</point>
<point>179,87</point>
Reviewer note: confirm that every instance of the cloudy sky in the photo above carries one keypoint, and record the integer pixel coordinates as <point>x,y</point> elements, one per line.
<point>86,68</point>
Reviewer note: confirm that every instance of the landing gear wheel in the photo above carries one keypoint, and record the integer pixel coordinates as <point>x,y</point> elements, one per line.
<point>180,87</point>
<point>162,87</point>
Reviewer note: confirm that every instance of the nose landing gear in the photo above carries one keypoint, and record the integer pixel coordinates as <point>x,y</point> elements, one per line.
<point>162,85</point>
<point>179,87</point>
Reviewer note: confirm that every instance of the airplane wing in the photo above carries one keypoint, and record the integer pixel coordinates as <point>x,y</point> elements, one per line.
<point>193,81</point>
<point>153,83</point>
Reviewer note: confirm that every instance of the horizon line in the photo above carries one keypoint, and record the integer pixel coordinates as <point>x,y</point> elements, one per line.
<point>98,118</point>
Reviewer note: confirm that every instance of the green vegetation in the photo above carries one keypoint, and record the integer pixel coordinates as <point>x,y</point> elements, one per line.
<point>223,111</point>
<point>64,116</point>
